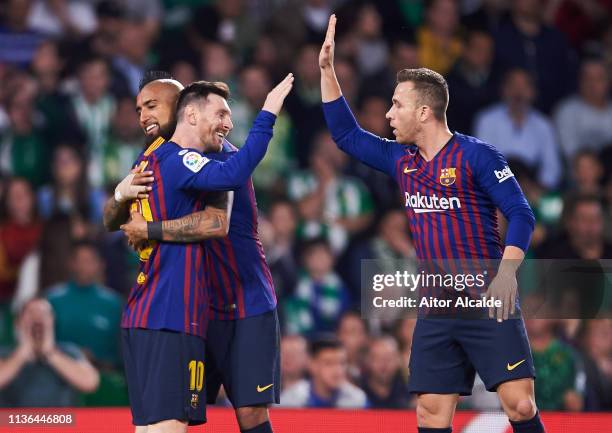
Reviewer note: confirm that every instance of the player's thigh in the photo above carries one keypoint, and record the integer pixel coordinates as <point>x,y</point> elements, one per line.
<point>218,343</point>
<point>253,376</point>
<point>436,410</point>
<point>438,365</point>
<point>499,351</point>
<point>517,398</point>
<point>170,376</point>
<point>169,426</point>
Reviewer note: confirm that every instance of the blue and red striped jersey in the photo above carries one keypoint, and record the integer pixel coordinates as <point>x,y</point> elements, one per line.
<point>171,291</point>
<point>451,200</point>
<point>240,280</point>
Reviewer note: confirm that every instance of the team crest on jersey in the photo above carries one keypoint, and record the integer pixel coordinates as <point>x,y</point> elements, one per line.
<point>194,401</point>
<point>141,278</point>
<point>194,161</point>
<point>447,176</point>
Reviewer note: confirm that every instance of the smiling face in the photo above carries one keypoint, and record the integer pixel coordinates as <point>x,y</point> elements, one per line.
<point>155,105</point>
<point>214,122</point>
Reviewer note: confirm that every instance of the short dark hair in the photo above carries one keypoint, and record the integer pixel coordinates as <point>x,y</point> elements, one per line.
<point>572,201</point>
<point>319,345</point>
<point>151,76</point>
<point>200,90</point>
<point>431,86</point>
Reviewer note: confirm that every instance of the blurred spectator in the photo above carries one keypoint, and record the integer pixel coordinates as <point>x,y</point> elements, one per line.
<point>40,371</point>
<point>24,149</point>
<point>519,131</point>
<point>488,16</point>
<point>88,314</point>
<point>471,82</point>
<point>390,244</point>
<point>20,232</point>
<point>348,79</point>
<point>68,193</point>
<point>94,107</point>
<point>304,102</point>
<point>278,162</point>
<point>103,41</point>
<point>582,237</point>
<point>404,328</point>
<point>302,20</point>
<point>18,41</point>
<point>281,249</point>
<point>124,143</point>
<point>525,41</point>
<point>438,42</point>
<point>330,204</point>
<point>382,381</point>
<point>560,378</point>
<point>58,18</point>
<point>596,342</point>
<point>320,296</point>
<point>218,64</point>
<point>587,172</point>
<point>225,21</point>
<point>184,72</point>
<point>131,58</point>
<point>371,49</point>
<point>584,121</point>
<point>328,385</point>
<point>353,335</point>
<point>294,360</point>
<point>580,20</point>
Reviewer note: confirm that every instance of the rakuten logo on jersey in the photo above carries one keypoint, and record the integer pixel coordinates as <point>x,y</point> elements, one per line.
<point>504,174</point>
<point>431,203</point>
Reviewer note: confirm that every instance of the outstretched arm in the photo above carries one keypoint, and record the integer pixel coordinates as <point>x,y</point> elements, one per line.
<point>212,222</point>
<point>379,153</point>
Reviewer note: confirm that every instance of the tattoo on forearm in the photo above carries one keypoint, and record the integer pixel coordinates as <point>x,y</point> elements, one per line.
<point>194,227</point>
<point>115,214</point>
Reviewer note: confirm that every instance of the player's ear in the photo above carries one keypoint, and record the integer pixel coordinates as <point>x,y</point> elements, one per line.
<point>424,113</point>
<point>190,114</point>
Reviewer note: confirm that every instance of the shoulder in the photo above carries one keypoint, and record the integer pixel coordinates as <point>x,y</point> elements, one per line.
<point>351,396</point>
<point>540,120</point>
<point>496,111</point>
<point>177,157</point>
<point>108,295</point>
<point>570,105</point>
<point>57,291</point>
<point>296,395</point>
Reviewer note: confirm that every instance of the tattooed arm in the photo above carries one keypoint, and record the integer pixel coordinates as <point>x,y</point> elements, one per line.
<point>212,222</point>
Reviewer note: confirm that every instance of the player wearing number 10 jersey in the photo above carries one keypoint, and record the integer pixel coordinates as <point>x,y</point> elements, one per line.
<point>451,185</point>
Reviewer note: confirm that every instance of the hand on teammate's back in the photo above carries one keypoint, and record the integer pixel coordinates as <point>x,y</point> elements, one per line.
<point>135,231</point>
<point>276,97</point>
<point>326,56</point>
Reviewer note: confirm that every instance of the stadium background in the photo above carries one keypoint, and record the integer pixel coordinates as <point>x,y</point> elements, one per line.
<point>530,76</point>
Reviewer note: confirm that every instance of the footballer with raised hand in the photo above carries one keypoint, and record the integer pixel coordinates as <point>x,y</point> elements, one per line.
<point>452,184</point>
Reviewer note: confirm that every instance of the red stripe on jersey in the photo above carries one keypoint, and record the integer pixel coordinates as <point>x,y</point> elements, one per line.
<point>467,223</point>
<point>225,279</point>
<point>156,270</point>
<point>160,189</point>
<point>186,286</point>
<point>432,168</point>
<point>455,216</point>
<point>234,267</point>
<point>481,236</point>
<point>445,216</point>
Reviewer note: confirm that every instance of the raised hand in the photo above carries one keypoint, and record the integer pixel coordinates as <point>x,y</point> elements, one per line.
<point>134,185</point>
<point>276,97</point>
<point>326,56</point>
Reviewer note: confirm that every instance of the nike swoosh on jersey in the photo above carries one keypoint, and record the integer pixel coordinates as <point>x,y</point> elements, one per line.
<point>409,170</point>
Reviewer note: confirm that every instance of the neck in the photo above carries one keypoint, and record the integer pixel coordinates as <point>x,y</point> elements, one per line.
<point>596,102</point>
<point>381,387</point>
<point>517,114</point>
<point>540,342</point>
<point>187,138</point>
<point>530,26</point>
<point>431,140</point>
<point>321,390</point>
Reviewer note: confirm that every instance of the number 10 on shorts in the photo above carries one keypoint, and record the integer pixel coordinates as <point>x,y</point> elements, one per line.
<point>196,374</point>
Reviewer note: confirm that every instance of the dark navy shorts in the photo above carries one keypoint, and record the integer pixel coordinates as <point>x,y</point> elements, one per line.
<point>244,356</point>
<point>165,375</point>
<point>446,353</point>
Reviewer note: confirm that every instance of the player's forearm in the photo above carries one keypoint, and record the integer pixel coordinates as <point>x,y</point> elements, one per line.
<point>115,214</point>
<point>511,260</point>
<point>79,374</point>
<point>330,88</point>
<point>196,227</point>
<point>234,172</point>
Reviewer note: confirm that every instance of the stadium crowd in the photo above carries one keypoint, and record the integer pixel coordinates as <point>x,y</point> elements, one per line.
<point>530,77</point>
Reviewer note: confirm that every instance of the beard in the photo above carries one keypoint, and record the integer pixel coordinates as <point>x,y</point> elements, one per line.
<point>165,131</point>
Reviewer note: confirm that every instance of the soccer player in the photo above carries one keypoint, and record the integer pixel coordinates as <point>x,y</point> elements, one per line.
<point>166,314</point>
<point>243,333</point>
<point>452,184</point>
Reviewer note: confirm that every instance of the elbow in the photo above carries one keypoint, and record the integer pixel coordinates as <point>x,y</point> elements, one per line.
<point>90,380</point>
